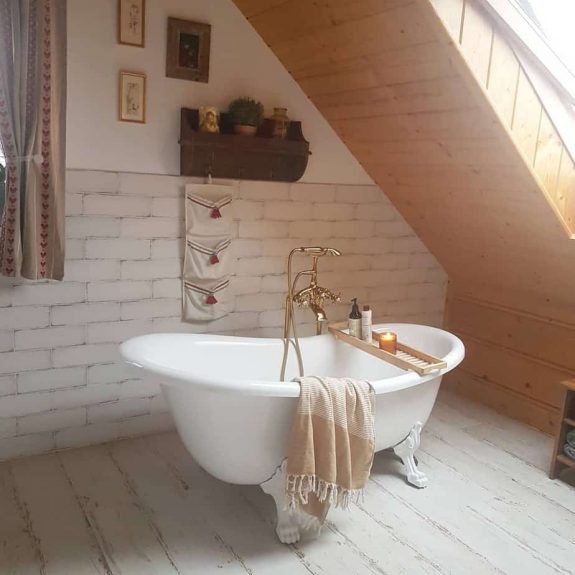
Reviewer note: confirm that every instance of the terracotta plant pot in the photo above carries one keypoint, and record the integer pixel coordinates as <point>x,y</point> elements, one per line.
<point>242,130</point>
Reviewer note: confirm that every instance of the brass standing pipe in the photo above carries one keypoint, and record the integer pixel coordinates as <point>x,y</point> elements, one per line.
<point>313,295</point>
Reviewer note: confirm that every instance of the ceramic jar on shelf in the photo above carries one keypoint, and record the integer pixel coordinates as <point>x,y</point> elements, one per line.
<point>280,123</point>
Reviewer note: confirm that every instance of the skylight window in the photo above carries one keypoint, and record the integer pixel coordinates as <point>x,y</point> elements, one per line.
<point>554,20</point>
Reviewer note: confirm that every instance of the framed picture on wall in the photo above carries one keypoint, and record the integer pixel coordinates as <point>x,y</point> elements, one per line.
<point>188,51</point>
<point>132,97</point>
<point>132,22</point>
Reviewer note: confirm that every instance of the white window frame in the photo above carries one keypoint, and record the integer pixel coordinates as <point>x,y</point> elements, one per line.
<point>533,41</point>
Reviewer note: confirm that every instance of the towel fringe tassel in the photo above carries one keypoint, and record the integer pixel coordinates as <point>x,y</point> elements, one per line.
<point>298,488</point>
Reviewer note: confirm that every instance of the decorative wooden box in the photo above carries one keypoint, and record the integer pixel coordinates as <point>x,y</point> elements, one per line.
<point>227,155</point>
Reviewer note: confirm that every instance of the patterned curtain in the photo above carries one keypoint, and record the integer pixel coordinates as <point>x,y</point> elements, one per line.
<point>32,134</point>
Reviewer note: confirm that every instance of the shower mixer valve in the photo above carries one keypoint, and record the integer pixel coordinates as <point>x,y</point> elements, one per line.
<point>313,297</point>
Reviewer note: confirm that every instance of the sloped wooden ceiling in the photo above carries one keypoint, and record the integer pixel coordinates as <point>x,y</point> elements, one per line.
<point>404,90</point>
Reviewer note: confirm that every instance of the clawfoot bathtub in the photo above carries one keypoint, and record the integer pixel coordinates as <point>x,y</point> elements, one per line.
<point>234,415</point>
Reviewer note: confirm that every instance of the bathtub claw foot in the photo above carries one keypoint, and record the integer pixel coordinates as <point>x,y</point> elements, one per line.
<point>287,532</point>
<point>406,450</point>
<point>287,527</point>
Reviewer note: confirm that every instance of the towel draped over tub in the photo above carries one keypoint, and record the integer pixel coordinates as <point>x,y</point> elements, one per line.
<point>331,445</point>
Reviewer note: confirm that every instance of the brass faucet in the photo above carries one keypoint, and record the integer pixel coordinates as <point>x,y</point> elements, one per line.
<point>312,296</point>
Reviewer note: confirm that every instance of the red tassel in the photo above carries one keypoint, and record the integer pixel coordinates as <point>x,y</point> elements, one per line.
<point>214,259</point>
<point>211,299</point>
<point>216,213</point>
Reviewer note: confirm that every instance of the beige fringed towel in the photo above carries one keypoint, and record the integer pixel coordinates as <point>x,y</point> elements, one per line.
<point>331,444</point>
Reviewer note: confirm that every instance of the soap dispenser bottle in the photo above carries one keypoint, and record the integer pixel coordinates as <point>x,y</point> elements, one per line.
<point>354,321</point>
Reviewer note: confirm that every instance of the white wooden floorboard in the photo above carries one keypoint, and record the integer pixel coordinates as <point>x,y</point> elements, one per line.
<point>511,436</point>
<point>185,514</point>
<point>494,457</point>
<point>466,440</point>
<point>453,415</point>
<point>328,554</point>
<point>470,412</point>
<point>64,543</point>
<point>458,501</point>
<point>417,530</point>
<point>499,471</point>
<point>347,543</point>
<point>528,444</point>
<point>517,511</point>
<point>130,543</point>
<point>144,507</point>
<point>379,541</point>
<point>447,502</point>
<point>18,551</point>
<point>560,492</point>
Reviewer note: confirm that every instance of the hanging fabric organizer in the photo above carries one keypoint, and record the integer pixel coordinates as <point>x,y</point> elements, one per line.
<point>204,259</point>
<point>205,301</point>
<point>208,214</point>
<point>207,259</point>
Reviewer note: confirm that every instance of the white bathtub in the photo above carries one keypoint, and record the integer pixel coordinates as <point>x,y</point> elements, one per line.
<point>232,412</point>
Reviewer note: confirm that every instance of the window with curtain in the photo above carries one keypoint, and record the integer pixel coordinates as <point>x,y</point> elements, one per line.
<point>32,137</point>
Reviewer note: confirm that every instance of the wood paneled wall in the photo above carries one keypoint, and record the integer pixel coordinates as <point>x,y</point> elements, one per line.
<point>432,101</point>
<point>514,359</point>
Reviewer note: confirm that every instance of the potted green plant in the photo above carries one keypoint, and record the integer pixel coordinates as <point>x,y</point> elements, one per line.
<point>246,115</point>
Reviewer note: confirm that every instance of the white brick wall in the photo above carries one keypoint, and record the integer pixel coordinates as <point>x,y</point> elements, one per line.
<point>61,382</point>
<point>51,379</point>
<point>84,313</point>
<point>49,337</point>
<point>6,340</point>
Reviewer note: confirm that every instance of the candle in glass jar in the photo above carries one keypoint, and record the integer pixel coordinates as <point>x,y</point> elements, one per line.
<point>388,342</point>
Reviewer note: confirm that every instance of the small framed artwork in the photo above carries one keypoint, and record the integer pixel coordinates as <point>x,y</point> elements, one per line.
<point>209,120</point>
<point>132,22</point>
<point>132,97</point>
<point>188,53</point>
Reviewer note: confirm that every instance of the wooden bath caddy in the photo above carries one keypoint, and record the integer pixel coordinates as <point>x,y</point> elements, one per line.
<point>406,357</point>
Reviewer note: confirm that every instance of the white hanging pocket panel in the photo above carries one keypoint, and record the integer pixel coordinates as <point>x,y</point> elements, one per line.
<point>208,210</point>
<point>206,301</point>
<point>207,258</point>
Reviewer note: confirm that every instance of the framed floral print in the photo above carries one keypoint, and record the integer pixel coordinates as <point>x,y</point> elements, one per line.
<point>132,22</point>
<point>132,97</point>
<point>188,51</point>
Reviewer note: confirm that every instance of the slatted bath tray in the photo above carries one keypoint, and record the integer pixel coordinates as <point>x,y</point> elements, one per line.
<point>406,357</point>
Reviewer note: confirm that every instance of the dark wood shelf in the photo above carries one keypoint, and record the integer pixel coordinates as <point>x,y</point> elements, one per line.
<point>227,155</point>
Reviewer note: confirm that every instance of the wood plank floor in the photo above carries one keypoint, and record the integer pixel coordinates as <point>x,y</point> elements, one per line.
<point>142,506</point>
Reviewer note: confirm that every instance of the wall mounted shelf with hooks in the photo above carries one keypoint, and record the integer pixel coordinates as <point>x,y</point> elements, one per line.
<point>227,155</point>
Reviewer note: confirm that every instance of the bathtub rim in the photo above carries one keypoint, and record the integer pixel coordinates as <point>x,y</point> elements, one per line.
<point>170,375</point>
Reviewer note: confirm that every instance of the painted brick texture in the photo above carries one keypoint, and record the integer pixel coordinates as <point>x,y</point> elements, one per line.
<point>61,384</point>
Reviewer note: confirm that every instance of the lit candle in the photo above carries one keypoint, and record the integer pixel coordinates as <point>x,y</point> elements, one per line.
<point>388,342</point>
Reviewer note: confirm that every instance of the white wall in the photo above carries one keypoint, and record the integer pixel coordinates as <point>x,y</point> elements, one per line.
<point>241,64</point>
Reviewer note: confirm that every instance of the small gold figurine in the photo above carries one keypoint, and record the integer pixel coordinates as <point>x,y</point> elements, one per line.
<point>209,120</point>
